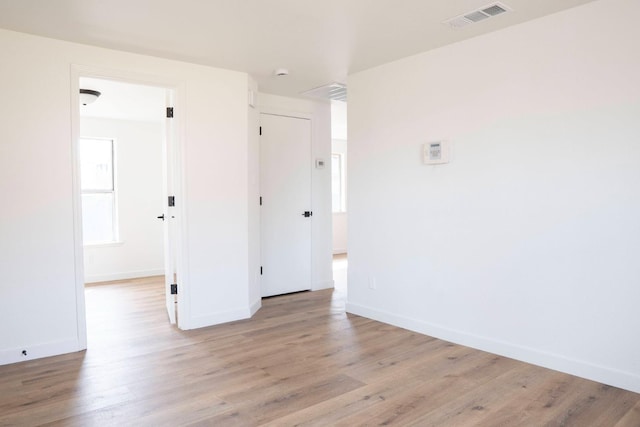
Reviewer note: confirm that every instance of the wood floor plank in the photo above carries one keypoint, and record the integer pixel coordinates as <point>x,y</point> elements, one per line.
<point>301,360</point>
<point>631,417</point>
<point>481,401</point>
<point>363,404</point>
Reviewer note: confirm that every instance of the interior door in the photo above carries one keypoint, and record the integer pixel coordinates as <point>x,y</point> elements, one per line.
<point>169,215</point>
<point>286,215</point>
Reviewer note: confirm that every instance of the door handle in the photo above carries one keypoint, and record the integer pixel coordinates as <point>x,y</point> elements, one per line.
<point>161,217</point>
<point>307,214</point>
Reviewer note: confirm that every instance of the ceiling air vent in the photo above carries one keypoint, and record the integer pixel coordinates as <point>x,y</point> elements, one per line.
<point>485,12</point>
<point>333,91</point>
<point>494,9</point>
<point>476,16</point>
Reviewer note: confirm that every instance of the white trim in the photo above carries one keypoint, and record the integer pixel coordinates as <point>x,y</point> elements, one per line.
<point>339,251</point>
<point>178,88</point>
<point>603,374</point>
<point>318,286</point>
<point>286,113</point>
<point>125,76</point>
<point>81,315</point>
<point>180,191</point>
<point>253,308</point>
<point>39,351</point>
<point>303,116</point>
<point>104,245</point>
<point>220,317</point>
<point>123,275</point>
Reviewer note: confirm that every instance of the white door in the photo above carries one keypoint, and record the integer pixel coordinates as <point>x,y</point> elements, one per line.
<point>286,214</point>
<point>169,212</point>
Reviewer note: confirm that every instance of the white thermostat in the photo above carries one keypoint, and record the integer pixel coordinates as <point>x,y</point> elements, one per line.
<point>435,153</point>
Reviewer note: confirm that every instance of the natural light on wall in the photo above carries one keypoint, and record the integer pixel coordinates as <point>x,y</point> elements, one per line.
<point>99,219</point>
<point>338,183</point>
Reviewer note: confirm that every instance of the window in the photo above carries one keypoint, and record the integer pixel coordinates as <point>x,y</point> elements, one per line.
<point>99,222</point>
<point>338,193</point>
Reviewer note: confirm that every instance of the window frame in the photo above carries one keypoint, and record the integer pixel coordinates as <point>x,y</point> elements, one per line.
<point>342,183</point>
<point>115,224</point>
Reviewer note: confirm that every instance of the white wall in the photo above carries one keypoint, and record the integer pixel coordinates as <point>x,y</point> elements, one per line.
<point>340,218</point>
<point>321,234</point>
<point>339,233</point>
<point>140,251</point>
<point>339,120</point>
<point>40,285</point>
<point>527,243</point>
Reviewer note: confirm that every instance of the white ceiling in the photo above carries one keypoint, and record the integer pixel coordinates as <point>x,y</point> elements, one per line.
<point>119,100</point>
<point>318,41</point>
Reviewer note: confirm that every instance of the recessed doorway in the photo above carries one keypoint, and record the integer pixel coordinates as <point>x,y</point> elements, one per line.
<point>125,152</point>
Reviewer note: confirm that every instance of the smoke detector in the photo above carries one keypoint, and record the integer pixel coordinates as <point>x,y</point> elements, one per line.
<point>474,16</point>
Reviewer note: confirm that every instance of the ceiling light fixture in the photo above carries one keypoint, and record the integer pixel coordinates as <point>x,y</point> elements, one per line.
<point>281,72</point>
<point>88,96</point>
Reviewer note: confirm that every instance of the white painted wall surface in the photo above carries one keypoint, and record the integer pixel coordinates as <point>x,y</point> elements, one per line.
<point>140,252</point>
<point>340,233</point>
<point>321,234</point>
<point>339,225</point>
<point>38,311</point>
<point>339,120</point>
<point>527,243</point>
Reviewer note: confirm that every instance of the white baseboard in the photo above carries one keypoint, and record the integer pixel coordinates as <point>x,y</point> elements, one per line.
<point>328,284</point>
<point>38,351</point>
<point>580,368</point>
<point>123,276</point>
<point>253,308</point>
<point>219,318</point>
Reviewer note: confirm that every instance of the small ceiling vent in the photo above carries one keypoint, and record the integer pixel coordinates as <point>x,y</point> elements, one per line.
<point>494,9</point>
<point>485,12</point>
<point>477,16</point>
<point>333,91</point>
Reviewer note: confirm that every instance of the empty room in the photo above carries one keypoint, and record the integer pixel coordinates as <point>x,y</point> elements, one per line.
<point>416,213</point>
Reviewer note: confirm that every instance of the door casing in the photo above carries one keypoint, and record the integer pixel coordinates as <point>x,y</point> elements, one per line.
<point>274,280</point>
<point>179,253</point>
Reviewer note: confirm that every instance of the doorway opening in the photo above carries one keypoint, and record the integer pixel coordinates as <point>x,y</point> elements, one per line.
<point>286,214</point>
<point>339,193</point>
<point>125,183</point>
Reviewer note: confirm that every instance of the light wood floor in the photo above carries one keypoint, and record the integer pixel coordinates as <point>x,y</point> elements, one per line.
<point>300,361</point>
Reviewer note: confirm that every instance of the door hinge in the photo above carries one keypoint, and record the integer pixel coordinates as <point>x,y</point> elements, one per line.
<point>261,270</point>
<point>169,112</point>
<point>172,200</point>
<point>174,289</point>
<point>260,130</point>
<point>260,200</point>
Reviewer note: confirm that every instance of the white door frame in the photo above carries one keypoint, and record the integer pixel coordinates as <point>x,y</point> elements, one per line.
<point>277,111</point>
<point>78,71</point>
<point>307,206</point>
